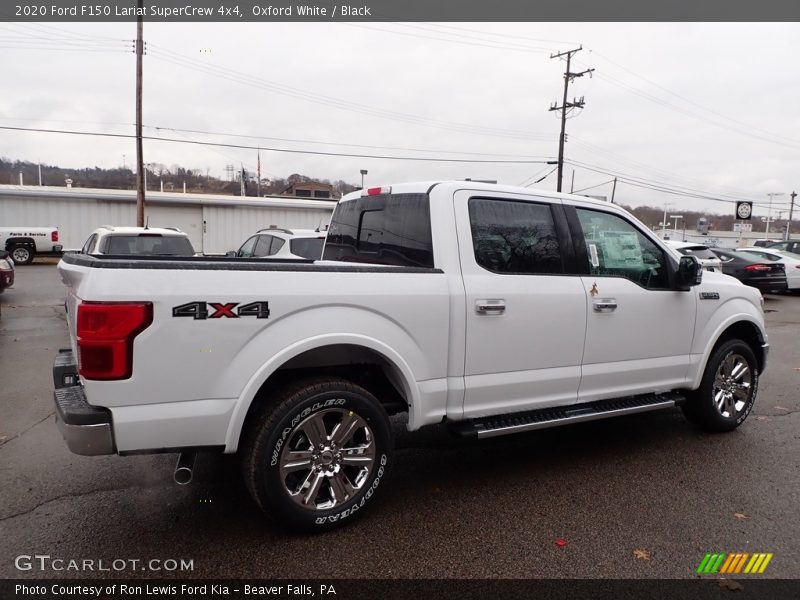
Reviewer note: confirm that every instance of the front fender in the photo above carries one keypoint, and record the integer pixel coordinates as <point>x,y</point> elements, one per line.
<point>714,324</point>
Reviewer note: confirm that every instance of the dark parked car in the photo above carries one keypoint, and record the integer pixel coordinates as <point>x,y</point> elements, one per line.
<point>752,270</point>
<point>787,246</point>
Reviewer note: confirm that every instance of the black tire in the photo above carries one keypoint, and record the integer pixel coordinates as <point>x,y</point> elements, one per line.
<point>342,478</point>
<point>22,255</point>
<point>728,390</point>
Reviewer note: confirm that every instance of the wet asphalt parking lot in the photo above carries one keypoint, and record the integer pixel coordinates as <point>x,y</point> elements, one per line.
<point>637,497</point>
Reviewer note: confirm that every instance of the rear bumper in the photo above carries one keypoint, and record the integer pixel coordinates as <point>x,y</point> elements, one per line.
<point>87,429</point>
<point>766,286</point>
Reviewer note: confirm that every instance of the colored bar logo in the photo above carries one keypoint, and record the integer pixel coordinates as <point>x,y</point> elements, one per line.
<point>736,562</point>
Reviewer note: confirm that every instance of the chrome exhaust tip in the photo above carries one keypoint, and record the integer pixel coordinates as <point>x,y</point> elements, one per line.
<point>185,467</point>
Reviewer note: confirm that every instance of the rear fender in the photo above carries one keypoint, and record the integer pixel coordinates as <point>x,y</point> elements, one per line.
<point>404,373</point>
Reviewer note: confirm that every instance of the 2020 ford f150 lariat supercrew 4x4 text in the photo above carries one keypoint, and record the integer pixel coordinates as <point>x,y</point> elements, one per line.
<point>495,309</point>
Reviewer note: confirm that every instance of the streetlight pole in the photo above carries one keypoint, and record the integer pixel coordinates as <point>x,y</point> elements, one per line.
<point>676,217</point>
<point>664,222</point>
<point>769,210</point>
<point>363,172</point>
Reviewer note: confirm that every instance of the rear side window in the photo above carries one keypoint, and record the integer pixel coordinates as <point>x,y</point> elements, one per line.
<point>262,245</point>
<point>307,247</point>
<point>391,229</point>
<point>514,237</point>
<point>149,244</point>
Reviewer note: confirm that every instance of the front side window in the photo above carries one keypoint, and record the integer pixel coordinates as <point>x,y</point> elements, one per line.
<point>615,248</point>
<point>509,236</point>
<point>248,247</point>
<point>89,245</point>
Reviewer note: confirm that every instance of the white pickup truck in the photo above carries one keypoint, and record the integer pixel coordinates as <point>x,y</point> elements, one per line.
<point>25,243</point>
<point>493,309</point>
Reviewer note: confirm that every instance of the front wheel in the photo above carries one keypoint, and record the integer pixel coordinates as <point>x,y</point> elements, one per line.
<point>728,389</point>
<point>316,455</point>
<point>22,255</point>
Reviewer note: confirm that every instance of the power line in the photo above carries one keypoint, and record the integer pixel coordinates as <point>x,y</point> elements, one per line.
<point>656,100</point>
<point>493,43</point>
<point>286,150</point>
<point>656,186</point>
<point>541,179</point>
<point>690,101</point>
<point>247,79</point>
<point>179,130</point>
<point>591,187</point>
<point>620,158</point>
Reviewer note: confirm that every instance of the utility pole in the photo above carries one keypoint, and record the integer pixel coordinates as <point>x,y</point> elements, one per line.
<point>139,151</point>
<point>793,195</point>
<point>568,78</point>
<point>614,191</point>
<point>258,175</point>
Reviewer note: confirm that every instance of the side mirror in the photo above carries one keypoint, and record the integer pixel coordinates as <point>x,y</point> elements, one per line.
<point>231,254</point>
<point>690,273</point>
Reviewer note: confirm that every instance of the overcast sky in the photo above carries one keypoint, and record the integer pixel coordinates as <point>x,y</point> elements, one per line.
<point>711,107</point>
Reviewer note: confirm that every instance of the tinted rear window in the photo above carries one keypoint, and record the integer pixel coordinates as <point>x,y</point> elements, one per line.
<point>392,229</point>
<point>156,245</point>
<point>307,247</point>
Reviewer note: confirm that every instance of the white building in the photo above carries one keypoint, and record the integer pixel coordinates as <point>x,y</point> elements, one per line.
<point>214,223</point>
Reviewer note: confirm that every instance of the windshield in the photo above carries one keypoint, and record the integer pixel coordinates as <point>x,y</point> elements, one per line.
<point>149,244</point>
<point>307,247</point>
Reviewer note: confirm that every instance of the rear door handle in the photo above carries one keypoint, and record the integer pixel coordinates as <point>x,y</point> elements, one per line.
<point>604,305</point>
<point>490,307</point>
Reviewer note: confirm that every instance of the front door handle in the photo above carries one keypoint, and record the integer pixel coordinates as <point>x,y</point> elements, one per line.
<point>490,307</point>
<point>604,305</point>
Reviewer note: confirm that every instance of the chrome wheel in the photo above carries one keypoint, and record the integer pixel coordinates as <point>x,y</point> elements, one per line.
<point>327,459</point>
<point>732,385</point>
<point>21,255</point>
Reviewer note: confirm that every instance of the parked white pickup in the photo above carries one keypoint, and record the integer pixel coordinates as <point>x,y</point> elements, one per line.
<point>495,309</point>
<point>25,243</point>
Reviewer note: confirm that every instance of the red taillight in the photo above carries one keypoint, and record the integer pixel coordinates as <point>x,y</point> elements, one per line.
<point>54,236</point>
<point>757,268</point>
<point>105,337</point>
